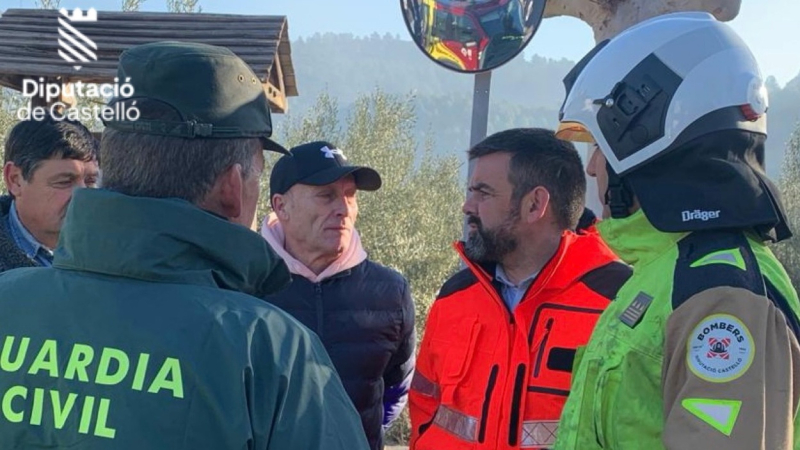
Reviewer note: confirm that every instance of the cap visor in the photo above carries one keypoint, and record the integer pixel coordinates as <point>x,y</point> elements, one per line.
<point>271,145</point>
<point>367,179</point>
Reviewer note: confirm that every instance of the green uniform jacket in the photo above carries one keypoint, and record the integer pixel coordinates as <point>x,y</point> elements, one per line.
<point>146,335</point>
<point>698,351</point>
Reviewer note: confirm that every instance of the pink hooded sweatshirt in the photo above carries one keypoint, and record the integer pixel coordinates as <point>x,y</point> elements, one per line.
<point>355,254</point>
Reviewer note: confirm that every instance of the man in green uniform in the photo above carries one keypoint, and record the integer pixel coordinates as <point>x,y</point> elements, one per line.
<point>699,349</point>
<point>148,333</point>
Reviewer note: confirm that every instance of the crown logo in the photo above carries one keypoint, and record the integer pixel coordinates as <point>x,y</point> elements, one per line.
<point>78,15</point>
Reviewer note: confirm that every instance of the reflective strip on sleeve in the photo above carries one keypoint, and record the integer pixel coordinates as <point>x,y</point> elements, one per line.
<point>424,386</point>
<point>539,433</point>
<point>456,423</point>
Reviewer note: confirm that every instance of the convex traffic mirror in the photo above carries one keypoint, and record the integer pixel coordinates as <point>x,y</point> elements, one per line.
<point>472,36</point>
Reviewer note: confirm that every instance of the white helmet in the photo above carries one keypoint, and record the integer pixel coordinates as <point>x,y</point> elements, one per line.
<point>678,107</point>
<point>660,84</point>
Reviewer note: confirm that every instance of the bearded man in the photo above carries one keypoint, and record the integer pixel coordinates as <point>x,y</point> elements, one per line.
<point>494,367</point>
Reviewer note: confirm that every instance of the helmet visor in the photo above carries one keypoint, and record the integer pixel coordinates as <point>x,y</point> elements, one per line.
<point>573,131</point>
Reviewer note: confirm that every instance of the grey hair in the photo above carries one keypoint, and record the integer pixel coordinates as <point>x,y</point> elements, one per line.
<point>156,166</point>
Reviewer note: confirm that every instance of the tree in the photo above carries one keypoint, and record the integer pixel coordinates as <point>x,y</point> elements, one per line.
<point>132,5</point>
<point>609,17</point>
<point>10,102</point>
<point>410,223</point>
<point>48,4</point>
<point>184,6</point>
<point>789,251</point>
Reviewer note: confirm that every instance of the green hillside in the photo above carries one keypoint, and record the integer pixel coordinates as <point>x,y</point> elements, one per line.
<point>525,92</point>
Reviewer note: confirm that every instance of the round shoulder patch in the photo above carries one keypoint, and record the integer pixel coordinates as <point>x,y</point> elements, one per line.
<point>720,348</point>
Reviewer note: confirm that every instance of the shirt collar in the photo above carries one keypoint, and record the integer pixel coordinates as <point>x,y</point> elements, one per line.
<point>23,237</point>
<point>501,276</point>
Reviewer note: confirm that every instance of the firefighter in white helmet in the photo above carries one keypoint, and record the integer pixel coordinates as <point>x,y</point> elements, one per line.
<point>700,347</point>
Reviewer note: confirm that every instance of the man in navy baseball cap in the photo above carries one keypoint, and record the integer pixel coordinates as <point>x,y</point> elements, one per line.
<point>362,311</point>
<point>318,163</point>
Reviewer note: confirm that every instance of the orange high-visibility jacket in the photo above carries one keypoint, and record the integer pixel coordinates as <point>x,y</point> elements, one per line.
<point>489,379</point>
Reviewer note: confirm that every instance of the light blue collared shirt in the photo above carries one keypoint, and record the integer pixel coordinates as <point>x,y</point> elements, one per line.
<point>25,240</point>
<point>512,293</point>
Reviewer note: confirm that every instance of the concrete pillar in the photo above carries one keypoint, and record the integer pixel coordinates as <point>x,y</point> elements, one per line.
<point>608,17</point>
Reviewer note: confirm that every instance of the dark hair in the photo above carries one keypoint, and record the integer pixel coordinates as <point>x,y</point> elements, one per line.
<point>539,158</point>
<point>145,165</point>
<point>32,141</point>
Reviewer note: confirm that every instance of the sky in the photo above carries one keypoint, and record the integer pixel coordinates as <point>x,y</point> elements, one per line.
<point>770,27</point>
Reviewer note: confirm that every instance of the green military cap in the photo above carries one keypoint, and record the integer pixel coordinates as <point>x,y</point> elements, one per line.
<point>214,91</point>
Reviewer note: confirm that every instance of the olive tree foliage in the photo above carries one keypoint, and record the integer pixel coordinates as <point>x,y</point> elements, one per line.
<point>411,222</point>
<point>184,6</point>
<point>132,5</point>
<point>48,4</point>
<point>789,251</point>
<point>10,102</point>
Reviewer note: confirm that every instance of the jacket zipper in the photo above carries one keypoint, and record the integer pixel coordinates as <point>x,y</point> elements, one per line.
<point>547,327</point>
<point>318,291</point>
<point>487,399</point>
<point>521,371</point>
<point>515,406</point>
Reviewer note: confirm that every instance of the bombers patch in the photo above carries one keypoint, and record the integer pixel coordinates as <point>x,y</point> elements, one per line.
<point>720,349</point>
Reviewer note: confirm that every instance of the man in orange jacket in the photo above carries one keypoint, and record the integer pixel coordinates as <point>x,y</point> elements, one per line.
<point>494,367</point>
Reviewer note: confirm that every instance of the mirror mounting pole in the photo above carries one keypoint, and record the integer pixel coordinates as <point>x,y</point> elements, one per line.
<point>480,119</point>
<point>480,107</point>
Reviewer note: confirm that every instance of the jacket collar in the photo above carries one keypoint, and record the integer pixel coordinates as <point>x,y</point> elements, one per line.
<point>635,240</point>
<point>26,242</point>
<point>576,256</point>
<point>272,231</point>
<point>11,256</point>
<point>165,240</point>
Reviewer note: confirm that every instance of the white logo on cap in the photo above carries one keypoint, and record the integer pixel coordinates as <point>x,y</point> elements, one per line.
<point>329,152</point>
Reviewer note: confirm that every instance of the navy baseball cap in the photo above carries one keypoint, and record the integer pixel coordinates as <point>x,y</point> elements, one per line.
<point>318,163</point>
